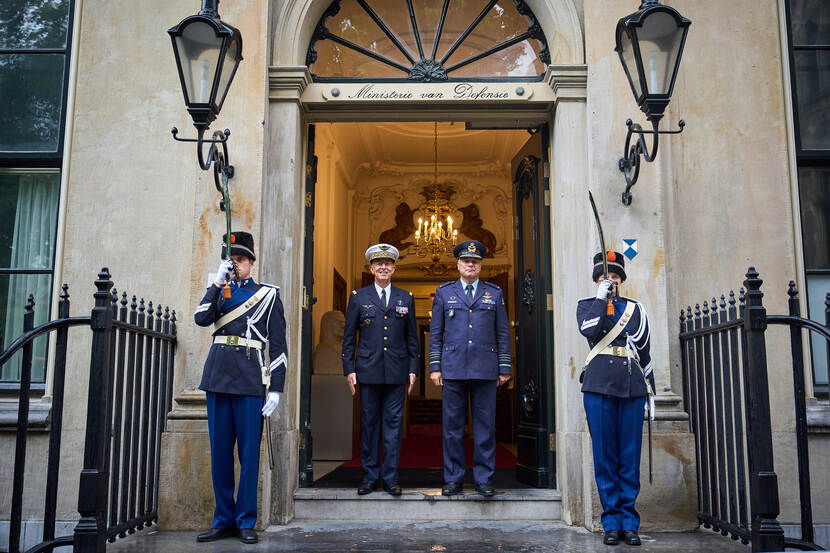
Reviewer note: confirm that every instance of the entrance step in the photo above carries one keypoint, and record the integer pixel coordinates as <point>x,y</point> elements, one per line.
<point>425,504</point>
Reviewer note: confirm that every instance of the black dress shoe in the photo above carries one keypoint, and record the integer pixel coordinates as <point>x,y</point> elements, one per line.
<point>630,537</point>
<point>612,537</point>
<point>452,488</point>
<point>216,534</point>
<point>247,535</point>
<point>365,488</point>
<point>392,490</point>
<point>485,489</point>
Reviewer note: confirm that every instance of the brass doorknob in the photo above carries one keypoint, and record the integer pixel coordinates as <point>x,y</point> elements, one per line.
<point>512,324</point>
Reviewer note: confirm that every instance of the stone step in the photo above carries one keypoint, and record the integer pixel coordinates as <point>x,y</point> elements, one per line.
<point>426,504</point>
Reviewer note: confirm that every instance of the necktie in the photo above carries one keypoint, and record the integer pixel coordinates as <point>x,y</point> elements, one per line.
<point>383,298</point>
<point>470,293</point>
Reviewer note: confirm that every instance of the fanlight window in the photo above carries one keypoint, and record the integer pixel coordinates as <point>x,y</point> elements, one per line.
<point>428,40</point>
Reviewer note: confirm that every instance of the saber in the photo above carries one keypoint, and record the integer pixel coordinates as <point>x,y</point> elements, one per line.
<point>225,205</point>
<point>609,309</point>
<point>271,450</point>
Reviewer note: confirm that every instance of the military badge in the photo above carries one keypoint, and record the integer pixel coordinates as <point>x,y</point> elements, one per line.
<point>471,247</point>
<point>401,309</point>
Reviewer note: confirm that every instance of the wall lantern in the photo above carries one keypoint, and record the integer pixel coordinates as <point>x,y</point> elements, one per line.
<point>650,44</point>
<point>208,52</point>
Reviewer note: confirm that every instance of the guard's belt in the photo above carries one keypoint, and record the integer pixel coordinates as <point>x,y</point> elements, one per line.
<point>616,351</point>
<point>237,341</point>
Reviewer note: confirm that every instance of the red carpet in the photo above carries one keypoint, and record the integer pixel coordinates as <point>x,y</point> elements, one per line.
<point>422,449</point>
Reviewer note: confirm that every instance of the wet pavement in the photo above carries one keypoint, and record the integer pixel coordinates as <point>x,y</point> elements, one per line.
<point>433,537</point>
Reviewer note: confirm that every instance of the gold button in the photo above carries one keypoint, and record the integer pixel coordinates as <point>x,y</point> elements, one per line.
<point>385,317</point>
<point>469,341</point>
<point>385,337</point>
<point>471,326</point>
<point>471,310</point>
<point>384,349</point>
<point>386,328</point>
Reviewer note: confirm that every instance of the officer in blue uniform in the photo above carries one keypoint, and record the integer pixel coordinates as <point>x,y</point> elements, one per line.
<point>382,330</point>
<point>617,383</point>
<point>234,380</point>
<point>469,353</point>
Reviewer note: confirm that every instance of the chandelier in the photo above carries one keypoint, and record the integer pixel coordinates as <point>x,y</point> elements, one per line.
<point>435,234</point>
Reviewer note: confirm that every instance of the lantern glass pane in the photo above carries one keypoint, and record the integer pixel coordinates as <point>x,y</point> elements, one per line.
<point>232,58</point>
<point>630,63</point>
<point>199,49</point>
<point>660,39</point>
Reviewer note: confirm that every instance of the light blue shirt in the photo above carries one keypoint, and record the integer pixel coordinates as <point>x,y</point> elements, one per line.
<point>464,286</point>
<point>388,289</point>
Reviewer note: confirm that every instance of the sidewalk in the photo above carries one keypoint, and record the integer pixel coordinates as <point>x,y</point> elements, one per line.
<point>435,537</point>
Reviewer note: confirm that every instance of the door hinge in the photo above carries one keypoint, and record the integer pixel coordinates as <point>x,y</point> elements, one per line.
<point>546,170</point>
<point>305,297</point>
<point>301,441</point>
<point>549,301</point>
<point>547,197</point>
<point>551,442</point>
<point>308,199</point>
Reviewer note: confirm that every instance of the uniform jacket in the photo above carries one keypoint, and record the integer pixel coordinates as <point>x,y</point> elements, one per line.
<point>608,374</point>
<point>229,369</point>
<point>385,340</point>
<point>469,341</point>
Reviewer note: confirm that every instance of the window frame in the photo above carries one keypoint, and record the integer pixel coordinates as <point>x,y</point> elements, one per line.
<point>24,161</point>
<point>806,158</point>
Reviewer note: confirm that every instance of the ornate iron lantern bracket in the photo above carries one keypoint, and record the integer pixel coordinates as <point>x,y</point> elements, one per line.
<point>630,163</point>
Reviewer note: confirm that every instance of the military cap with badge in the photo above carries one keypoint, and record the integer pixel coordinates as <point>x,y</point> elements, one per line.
<point>470,248</point>
<point>382,251</point>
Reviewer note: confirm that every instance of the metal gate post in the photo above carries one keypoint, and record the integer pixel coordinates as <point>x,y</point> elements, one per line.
<point>767,534</point>
<point>91,531</point>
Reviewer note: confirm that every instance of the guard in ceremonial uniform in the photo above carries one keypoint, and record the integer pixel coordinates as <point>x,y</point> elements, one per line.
<point>381,329</point>
<point>617,384</point>
<point>235,379</point>
<point>469,354</point>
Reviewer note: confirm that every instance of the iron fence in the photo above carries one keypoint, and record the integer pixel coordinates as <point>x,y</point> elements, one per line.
<point>726,391</point>
<point>130,393</point>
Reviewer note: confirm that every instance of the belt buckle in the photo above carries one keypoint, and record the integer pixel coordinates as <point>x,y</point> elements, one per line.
<point>617,351</point>
<point>233,340</point>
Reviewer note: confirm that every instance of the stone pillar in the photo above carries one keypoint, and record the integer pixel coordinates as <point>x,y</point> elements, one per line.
<point>283,200</point>
<point>577,141</point>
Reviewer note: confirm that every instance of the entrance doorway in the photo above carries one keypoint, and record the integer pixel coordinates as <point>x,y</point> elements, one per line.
<point>368,182</point>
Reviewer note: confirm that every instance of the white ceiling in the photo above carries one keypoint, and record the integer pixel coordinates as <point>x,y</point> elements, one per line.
<point>409,146</point>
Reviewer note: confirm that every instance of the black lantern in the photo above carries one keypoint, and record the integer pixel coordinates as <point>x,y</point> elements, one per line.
<point>650,44</point>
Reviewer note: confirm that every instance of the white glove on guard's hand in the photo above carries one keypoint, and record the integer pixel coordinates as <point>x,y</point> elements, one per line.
<point>225,267</point>
<point>271,404</point>
<point>604,289</point>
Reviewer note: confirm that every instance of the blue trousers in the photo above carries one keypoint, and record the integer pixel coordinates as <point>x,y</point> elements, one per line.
<point>616,426</point>
<point>381,408</point>
<point>483,408</point>
<point>233,419</point>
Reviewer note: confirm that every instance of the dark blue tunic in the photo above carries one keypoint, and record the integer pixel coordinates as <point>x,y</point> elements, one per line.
<point>229,369</point>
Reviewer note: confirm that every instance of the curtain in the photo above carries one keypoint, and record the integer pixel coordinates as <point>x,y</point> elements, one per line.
<point>33,247</point>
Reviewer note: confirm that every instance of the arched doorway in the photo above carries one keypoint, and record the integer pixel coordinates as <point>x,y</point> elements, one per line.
<point>481,46</point>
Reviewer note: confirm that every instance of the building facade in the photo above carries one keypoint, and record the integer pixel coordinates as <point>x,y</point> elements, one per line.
<point>746,183</point>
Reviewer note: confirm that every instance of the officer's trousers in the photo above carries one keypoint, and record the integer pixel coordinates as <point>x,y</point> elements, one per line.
<point>381,408</point>
<point>234,418</point>
<point>616,426</point>
<point>483,409</point>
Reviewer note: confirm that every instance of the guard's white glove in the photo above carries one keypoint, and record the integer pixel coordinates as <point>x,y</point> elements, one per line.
<point>271,404</point>
<point>225,267</point>
<point>604,289</point>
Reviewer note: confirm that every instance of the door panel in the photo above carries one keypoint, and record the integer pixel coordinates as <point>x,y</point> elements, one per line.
<point>534,321</point>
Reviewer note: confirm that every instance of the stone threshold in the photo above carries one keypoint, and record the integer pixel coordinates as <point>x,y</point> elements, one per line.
<point>427,494</point>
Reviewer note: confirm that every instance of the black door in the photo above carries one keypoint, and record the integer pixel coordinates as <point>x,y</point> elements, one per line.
<point>306,470</point>
<point>534,318</point>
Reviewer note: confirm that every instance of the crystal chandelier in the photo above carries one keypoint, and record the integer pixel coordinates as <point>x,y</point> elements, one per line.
<point>435,234</point>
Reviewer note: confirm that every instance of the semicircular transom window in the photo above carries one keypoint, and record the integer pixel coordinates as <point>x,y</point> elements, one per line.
<point>428,40</point>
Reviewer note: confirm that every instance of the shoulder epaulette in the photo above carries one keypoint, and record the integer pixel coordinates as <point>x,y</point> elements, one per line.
<point>270,285</point>
<point>410,293</point>
<point>496,286</point>
<point>446,284</point>
<point>354,292</point>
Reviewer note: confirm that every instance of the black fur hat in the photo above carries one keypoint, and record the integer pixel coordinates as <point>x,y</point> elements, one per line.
<point>242,243</point>
<point>616,264</point>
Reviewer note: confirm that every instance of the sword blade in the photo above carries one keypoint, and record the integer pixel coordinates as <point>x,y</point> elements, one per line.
<point>601,236</point>
<point>268,443</point>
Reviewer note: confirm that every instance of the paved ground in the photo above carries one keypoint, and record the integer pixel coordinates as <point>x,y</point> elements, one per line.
<point>489,537</point>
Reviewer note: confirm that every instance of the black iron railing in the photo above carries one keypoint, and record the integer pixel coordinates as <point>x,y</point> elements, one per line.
<point>726,391</point>
<point>130,394</point>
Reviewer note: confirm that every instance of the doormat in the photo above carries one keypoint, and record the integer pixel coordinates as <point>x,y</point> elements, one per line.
<point>424,450</point>
<point>351,477</point>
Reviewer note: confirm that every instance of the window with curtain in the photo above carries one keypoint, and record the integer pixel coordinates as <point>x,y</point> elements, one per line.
<point>34,63</point>
<point>809,40</point>
<point>428,41</point>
